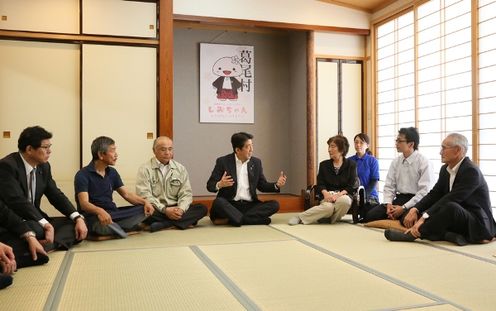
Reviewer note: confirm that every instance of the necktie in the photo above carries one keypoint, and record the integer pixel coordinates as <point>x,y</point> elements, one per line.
<point>32,185</point>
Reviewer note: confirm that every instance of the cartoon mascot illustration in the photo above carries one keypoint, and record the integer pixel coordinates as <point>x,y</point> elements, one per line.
<point>227,68</point>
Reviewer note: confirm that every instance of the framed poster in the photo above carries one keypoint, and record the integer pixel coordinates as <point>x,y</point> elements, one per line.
<point>227,83</point>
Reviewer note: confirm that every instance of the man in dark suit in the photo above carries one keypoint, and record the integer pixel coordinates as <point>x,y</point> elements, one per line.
<point>458,208</point>
<point>236,178</point>
<point>18,246</point>
<point>26,176</point>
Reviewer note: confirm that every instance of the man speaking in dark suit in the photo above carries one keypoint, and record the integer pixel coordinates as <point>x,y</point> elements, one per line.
<point>236,178</point>
<point>26,176</point>
<point>458,208</point>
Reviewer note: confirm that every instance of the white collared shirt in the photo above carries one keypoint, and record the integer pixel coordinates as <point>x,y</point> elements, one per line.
<point>29,169</point>
<point>453,171</point>
<point>243,189</point>
<point>164,168</point>
<point>408,175</point>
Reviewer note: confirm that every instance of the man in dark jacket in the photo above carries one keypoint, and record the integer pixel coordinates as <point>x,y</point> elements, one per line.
<point>18,246</point>
<point>236,178</point>
<point>26,176</point>
<point>458,208</point>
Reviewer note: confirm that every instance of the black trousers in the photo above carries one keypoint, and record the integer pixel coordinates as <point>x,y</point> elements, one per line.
<point>65,235</point>
<point>21,250</point>
<point>453,218</point>
<point>380,210</point>
<point>193,214</point>
<point>241,213</point>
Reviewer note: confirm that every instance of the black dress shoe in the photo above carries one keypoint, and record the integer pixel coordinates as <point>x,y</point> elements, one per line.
<point>456,238</point>
<point>395,235</point>
<point>5,280</point>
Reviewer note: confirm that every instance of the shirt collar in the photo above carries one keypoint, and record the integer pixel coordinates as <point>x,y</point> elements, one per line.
<point>91,167</point>
<point>411,158</point>
<point>455,168</point>
<point>27,166</point>
<point>238,161</point>
<point>157,164</point>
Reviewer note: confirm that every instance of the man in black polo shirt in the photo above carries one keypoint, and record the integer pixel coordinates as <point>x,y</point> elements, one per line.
<point>94,185</point>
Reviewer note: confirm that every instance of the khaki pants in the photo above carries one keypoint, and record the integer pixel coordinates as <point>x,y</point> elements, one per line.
<point>335,211</point>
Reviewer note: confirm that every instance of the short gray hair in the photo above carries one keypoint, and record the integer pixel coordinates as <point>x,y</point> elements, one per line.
<point>459,140</point>
<point>100,144</point>
<point>155,141</point>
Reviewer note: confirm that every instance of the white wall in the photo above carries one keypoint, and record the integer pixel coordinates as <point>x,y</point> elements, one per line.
<point>336,44</point>
<point>309,12</point>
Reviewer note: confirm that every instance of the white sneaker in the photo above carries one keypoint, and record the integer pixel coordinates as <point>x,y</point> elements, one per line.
<point>295,220</point>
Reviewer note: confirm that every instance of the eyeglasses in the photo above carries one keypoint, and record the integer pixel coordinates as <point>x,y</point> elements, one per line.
<point>46,147</point>
<point>400,140</point>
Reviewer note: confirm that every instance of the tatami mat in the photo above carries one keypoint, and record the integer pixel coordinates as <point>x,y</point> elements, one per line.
<point>291,276</point>
<point>32,286</point>
<point>276,267</point>
<point>443,307</point>
<point>202,235</point>
<point>145,279</point>
<point>456,278</point>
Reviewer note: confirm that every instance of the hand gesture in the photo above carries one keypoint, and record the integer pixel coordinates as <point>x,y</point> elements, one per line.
<point>225,181</point>
<point>35,247</point>
<point>148,209</point>
<point>49,234</point>
<point>328,197</point>
<point>7,259</point>
<point>80,229</point>
<point>103,217</point>
<point>410,218</point>
<point>415,229</point>
<point>281,181</point>
<point>174,213</point>
<point>397,211</point>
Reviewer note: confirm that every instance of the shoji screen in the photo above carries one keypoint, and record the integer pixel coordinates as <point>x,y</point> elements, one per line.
<point>487,94</point>
<point>327,106</point>
<point>33,91</point>
<point>119,100</point>
<point>339,102</point>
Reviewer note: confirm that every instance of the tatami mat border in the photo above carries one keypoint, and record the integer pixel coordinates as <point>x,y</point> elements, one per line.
<point>225,280</point>
<point>171,246</point>
<point>58,285</point>
<point>382,275</point>
<point>432,244</point>
<point>414,307</point>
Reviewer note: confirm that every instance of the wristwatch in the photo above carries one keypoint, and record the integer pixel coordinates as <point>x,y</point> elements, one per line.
<point>29,234</point>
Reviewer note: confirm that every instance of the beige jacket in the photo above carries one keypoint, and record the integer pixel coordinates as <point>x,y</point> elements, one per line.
<point>174,189</point>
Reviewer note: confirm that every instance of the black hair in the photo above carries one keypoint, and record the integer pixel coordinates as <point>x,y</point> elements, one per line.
<point>364,137</point>
<point>32,136</point>
<point>411,135</point>
<point>100,145</point>
<point>238,140</point>
<point>341,142</point>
